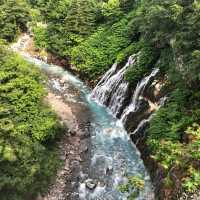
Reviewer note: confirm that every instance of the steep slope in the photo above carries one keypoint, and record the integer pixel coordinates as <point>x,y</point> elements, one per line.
<point>27,130</point>
<point>166,35</point>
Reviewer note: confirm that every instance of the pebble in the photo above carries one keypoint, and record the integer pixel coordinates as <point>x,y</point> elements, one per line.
<point>90,184</point>
<point>58,97</point>
<point>109,169</point>
<point>62,157</point>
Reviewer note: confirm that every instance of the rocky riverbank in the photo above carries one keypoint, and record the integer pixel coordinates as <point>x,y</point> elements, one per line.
<point>74,146</point>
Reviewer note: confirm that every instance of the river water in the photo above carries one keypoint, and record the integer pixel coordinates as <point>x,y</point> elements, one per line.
<point>113,155</point>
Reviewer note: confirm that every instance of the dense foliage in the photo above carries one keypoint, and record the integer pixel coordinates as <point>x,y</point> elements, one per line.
<point>166,35</point>
<point>174,137</point>
<point>133,186</point>
<point>97,54</point>
<point>27,129</point>
<point>69,23</point>
<point>92,35</point>
<point>14,14</point>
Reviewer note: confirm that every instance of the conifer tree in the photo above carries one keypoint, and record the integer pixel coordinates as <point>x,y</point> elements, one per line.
<point>126,5</point>
<point>81,17</point>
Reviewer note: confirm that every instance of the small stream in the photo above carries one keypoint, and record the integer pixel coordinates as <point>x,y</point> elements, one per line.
<point>113,155</point>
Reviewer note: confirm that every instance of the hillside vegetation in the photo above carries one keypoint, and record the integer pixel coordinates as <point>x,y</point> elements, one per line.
<point>92,35</point>
<point>28,128</point>
<point>166,33</point>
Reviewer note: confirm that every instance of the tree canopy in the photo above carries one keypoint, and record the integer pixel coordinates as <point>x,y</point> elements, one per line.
<point>91,35</point>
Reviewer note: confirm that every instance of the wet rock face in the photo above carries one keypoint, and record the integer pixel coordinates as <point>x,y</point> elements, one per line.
<point>134,118</point>
<point>154,91</point>
<point>90,184</point>
<point>57,60</point>
<point>140,133</point>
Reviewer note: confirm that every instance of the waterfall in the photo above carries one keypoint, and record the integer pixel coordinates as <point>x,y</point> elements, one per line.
<point>145,122</point>
<point>142,125</point>
<point>138,92</point>
<point>118,98</point>
<point>112,89</point>
<point>114,92</point>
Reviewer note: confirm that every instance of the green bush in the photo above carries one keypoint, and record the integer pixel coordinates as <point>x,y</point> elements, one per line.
<point>40,37</point>
<point>174,137</point>
<point>14,14</point>
<point>122,57</point>
<point>94,56</point>
<point>27,130</point>
<point>134,186</point>
<point>146,61</point>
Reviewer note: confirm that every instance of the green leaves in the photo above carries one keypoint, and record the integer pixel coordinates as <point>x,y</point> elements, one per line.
<point>146,60</point>
<point>26,128</point>
<point>94,56</point>
<point>134,186</point>
<point>191,183</point>
<point>174,137</point>
<point>80,18</point>
<point>13,18</point>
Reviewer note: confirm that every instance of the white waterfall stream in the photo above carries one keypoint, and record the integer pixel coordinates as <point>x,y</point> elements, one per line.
<point>137,93</point>
<point>112,88</point>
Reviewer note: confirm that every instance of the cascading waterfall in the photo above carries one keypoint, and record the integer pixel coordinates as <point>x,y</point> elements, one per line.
<point>118,98</point>
<point>142,125</point>
<point>138,92</point>
<point>112,89</point>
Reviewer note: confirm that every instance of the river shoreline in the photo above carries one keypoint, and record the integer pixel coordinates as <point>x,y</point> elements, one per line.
<point>74,144</point>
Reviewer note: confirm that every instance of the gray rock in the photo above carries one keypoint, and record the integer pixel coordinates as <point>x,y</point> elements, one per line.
<point>109,169</point>
<point>72,133</point>
<point>90,184</point>
<point>83,147</point>
<point>134,118</point>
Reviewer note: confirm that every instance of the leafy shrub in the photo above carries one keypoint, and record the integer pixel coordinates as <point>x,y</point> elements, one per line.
<point>134,186</point>
<point>98,52</point>
<point>40,37</point>
<point>125,53</point>
<point>13,18</point>
<point>146,61</point>
<point>27,130</point>
<point>174,137</point>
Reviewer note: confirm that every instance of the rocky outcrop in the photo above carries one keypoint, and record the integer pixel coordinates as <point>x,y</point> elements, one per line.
<point>56,60</point>
<point>134,118</point>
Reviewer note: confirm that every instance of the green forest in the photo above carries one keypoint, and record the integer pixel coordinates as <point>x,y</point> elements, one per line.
<point>91,35</point>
